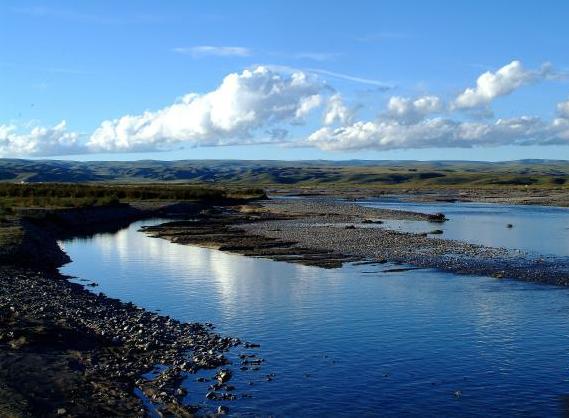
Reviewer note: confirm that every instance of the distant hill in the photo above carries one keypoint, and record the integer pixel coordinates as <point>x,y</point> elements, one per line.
<point>544,173</point>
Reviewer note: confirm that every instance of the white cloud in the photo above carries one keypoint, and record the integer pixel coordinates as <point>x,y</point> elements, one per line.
<point>307,104</point>
<point>243,103</point>
<point>38,142</point>
<point>500,83</point>
<point>325,74</point>
<point>218,51</point>
<point>441,133</point>
<point>337,111</point>
<point>410,110</point>
<point>262,105</point>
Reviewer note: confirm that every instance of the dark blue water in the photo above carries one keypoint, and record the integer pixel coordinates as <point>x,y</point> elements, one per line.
<point>539,229</point>
<point>354,341</point>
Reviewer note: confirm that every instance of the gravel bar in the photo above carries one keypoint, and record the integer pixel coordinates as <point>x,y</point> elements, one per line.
<point>321,224</point>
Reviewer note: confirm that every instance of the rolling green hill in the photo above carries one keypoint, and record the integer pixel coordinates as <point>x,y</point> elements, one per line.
<point>283,174</point>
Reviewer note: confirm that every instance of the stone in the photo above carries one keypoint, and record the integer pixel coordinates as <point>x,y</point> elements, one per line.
<point>223,375</point>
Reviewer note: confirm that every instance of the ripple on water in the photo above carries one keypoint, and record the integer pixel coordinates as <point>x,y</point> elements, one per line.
<point>345,342</point>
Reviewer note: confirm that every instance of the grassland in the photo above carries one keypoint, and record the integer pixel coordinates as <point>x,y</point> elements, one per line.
<point>537,174</point>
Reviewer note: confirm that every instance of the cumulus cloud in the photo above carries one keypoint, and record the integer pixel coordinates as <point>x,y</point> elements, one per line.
<point>243,103</point>
<point>441,133</point>
<point>264,105</point>
<point>307,104</point>
<point>337,111</point>
<point>39,141</point>
<point>398,131</point>
<point>218,51</point>
<point>410,110</point>
<point>500,83</point>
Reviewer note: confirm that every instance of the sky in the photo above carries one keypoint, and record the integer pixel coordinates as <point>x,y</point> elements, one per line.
<point>336,80</point>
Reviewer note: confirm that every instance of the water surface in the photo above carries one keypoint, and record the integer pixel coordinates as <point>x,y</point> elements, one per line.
<point>352,341</point>
<point>538,229</point>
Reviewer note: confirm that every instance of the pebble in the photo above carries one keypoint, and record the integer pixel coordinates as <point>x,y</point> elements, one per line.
<point>222,410</point>
<point>140,339</point>
<point>318,224</point>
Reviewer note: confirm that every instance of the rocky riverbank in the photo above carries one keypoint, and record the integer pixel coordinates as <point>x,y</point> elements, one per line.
<point>327,233</point>
<point>67,351</point>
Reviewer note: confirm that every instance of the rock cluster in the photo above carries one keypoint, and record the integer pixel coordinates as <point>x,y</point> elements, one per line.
<point>94,350</point>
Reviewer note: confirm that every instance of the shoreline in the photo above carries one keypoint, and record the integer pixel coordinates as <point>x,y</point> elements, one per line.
<point>73,352</point>
<point>66,350</point>
<point>325,233</point>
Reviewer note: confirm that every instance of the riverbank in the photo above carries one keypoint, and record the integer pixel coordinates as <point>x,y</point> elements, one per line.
<point>68,351</point>
<point>328,233</point>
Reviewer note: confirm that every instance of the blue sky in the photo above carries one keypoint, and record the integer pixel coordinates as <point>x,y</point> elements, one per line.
<point>90,62</point>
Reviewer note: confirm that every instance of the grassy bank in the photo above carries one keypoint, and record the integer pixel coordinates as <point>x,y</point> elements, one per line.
<point>53,195</point>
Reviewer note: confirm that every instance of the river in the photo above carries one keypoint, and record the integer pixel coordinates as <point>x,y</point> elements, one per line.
<point>356,340</point>
<point>537,229</point>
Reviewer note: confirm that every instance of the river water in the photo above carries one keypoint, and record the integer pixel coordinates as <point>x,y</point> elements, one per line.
<point>356,340</point>
<point>539,229</point>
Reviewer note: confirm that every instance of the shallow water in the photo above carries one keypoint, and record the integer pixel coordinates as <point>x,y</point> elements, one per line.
<point>538,229</point>
<point>355,340</point>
